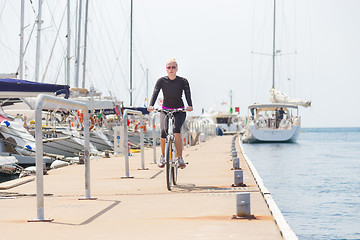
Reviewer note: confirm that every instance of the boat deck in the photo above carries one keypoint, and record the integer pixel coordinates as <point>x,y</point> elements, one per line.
<point>201,206</point>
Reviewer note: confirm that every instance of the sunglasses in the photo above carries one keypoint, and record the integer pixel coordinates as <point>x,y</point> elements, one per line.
<point>172,67</point>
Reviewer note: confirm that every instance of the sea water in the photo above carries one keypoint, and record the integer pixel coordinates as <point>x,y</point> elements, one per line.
<point>315,182</point>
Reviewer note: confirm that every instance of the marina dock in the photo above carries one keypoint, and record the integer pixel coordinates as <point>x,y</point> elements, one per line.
<point>201,206</point>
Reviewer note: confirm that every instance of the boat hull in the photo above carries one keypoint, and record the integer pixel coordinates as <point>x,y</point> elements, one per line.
<point>67,143</point>
<point>17,136</point>
<point>256,135</point>
<point>100,141</point>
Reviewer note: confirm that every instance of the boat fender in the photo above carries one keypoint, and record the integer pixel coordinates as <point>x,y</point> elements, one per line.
<point>28,147</point>
<point>5,123</point>
<point>58,164</point>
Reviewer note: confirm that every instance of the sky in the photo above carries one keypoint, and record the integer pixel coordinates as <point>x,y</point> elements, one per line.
<point>220,46</point>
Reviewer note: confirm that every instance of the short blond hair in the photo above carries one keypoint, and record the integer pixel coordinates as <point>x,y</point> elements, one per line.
<point>173,60</point>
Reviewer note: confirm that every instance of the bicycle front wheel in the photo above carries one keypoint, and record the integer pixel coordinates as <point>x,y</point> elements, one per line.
<point>174,167</point>
<point>174,170</point>
<point>169,157</point>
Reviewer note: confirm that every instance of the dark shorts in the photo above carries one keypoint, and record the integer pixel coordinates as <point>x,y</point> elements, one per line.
<point>179,120</point>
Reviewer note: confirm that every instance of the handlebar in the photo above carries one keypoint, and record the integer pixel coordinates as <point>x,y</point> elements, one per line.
<point>170,110</point>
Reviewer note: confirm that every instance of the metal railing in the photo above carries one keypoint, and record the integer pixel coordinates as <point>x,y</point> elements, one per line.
<point>39,149</point>
<point>154,139</point>
<point>126,140</point>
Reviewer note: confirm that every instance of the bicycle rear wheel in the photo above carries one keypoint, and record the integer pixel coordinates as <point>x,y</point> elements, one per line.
<point>169,157</point>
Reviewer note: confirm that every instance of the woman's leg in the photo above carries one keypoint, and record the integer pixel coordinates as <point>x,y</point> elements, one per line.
<point>162,145</point>
<point>179,121</point>
<point>163,131</point>
<point>178,144</point>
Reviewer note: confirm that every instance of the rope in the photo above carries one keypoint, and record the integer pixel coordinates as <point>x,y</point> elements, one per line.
<point>52,49</point>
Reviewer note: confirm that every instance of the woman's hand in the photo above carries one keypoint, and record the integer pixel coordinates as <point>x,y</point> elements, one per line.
<point>189,108</point>
<point>150,108</point>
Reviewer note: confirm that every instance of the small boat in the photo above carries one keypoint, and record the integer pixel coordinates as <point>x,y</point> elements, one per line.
<point>15,137</point>
<point>9,166</point>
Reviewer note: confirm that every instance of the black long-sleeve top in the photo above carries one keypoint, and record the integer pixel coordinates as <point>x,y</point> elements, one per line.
<point>172,91</point>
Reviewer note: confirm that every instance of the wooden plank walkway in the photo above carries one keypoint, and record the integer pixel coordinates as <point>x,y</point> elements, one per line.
<point>201,206</point>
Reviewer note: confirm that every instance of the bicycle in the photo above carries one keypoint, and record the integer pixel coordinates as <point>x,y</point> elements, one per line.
<point>171,163</point>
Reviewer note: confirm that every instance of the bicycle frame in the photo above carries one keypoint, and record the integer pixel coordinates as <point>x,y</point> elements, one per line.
<point>171,164</point>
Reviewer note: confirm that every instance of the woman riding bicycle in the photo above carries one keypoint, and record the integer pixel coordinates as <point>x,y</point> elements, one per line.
<point>172,87</point>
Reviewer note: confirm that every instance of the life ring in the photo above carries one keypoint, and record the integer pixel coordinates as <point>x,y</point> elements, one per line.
<point>80,115</point>
<point>136,126</point>
<point>144,126</point>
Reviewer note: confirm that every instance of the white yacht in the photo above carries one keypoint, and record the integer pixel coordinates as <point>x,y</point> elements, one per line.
<point>226,122</point>
<point>272,122</point>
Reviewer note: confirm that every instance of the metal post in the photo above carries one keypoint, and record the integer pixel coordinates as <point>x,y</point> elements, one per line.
<point>236,163</point>
<point>243,204</point>
<point>154,138</point>
<point>39,150</point>
<point>87,155</point>
<point>191,126</point>
<point>126,143</point>
<point>238,178</point>
<point>39,162</point>
<point>126,112</point>
<point>142,144</point>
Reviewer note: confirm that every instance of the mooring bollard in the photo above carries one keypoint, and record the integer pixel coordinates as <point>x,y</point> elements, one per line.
<point>243,204</point>
<point>81,159</point>
<point>234,154</point>
<point>236,163</point>
<point>238,178</point>
<point>44,169</point>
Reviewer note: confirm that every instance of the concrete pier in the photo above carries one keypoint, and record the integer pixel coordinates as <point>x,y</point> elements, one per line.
<point>201,206</point>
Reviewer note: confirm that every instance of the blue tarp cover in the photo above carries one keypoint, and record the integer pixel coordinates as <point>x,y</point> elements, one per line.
<point>143,110</point>
<point>17,85</point>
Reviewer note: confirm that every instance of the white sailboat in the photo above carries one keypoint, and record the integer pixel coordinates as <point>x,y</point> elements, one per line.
<point>272,122</point>
<point>278,121</point>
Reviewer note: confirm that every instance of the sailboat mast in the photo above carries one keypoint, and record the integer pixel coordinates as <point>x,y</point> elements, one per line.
<point>21,63</point>
<point>68,45</point>
<point>274,51</point>
<point>77,60</point>
<point>147,87</point>
<point>231,109</point>
<point>131,30</point>
<point>85,41</point>
<point>38,42</point>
